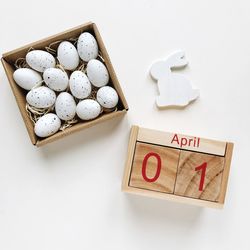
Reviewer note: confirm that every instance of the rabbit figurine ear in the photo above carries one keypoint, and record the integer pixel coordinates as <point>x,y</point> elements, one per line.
<point>177,59</point>
<point>157,69</point>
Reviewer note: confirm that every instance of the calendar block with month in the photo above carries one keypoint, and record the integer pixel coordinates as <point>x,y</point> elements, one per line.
<point>177,167</point>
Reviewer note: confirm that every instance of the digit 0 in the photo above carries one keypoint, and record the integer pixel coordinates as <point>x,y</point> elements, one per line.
<point>203,168</point>
<point>144,167</point>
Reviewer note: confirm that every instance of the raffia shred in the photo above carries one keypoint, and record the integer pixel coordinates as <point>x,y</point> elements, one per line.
<point>59,66</point>
<point>82,67</point>
<point>100,57</point>
<point>39,84</point>
<point>68,124</point>
<point>52,48</point>
<point>93,93</point>
<point>30,49</point>
<point>21,63</point>
<point>73,40</point>
<point>36,113</point>
<point>105,110</point>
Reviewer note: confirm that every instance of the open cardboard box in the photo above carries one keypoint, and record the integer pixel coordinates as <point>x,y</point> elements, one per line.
<point>9,59</point>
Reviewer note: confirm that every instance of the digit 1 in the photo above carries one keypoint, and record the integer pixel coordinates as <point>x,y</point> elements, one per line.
<point>144,167</point>
<point>203,168</point>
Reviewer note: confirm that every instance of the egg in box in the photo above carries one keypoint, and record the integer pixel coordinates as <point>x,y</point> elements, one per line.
<point>64,83</point>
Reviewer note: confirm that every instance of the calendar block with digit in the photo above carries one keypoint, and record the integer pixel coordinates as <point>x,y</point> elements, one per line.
<point>177,167</point>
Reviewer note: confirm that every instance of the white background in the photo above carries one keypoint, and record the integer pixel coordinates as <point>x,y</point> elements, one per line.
<point>67,194</point>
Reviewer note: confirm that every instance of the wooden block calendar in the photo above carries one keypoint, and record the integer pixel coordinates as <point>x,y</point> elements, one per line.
<point>177,167</point>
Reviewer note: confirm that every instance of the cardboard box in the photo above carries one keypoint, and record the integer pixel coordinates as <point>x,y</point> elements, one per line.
<point>9,59</point>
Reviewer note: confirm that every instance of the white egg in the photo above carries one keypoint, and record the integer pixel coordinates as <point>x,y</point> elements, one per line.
<point>41,97</point>
<point>56,79</point>
<point>97,73</point>
<point>87,47</point>
<point>80,85</point>
<point>67,55</point>
<point>88,109</point>
<point>40,60</point>
<point>47,125</point>
<point>65,106</point>
<point>107,97</point>
<point>26,78</point>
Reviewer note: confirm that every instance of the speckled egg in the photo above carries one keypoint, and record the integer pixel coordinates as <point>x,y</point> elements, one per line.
<point>47,125</point>
<point>80,85</point>
<point>41,97</point>
<point>107,97</point>
<point>87,47</point>
<point>65,106</point>
<point>88,109</point>
<point>67,55</point>
<point>40,60</point>
<point>97,73</point>
<point>56,79</point>
<point>26,78</point>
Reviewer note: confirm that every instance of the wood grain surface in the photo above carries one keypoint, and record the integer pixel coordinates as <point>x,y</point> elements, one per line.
<point>188,179</point>
<point>169,161</point>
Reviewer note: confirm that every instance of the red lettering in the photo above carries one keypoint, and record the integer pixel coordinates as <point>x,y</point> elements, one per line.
<point>175,139</point>
<point>182,142</point>
<point>198,142</point>
<point>144,167</point>
<point>203,168</point>
<point>190,141</point>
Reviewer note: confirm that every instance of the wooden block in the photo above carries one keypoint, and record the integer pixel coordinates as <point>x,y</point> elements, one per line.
<point>154,167</point>
<point>192,170</point>
<point>199,176</point>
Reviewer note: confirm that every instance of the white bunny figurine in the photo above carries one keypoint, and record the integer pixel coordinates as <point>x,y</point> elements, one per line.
<point>175,89</point>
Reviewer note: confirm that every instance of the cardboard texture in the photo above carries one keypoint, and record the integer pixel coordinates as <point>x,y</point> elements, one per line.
<point>177,167</point>
<point>9,59</point>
